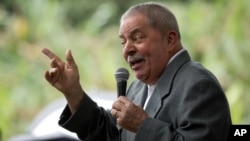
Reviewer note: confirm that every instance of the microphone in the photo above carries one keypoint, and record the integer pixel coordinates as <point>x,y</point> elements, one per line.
<point>121,76</point>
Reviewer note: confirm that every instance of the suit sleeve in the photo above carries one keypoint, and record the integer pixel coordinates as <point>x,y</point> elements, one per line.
<point>202,114</point>
<point>90,122</point>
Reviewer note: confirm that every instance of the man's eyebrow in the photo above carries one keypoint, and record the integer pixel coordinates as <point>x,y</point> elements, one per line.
<point>133,31</point>
<point>136,30</point>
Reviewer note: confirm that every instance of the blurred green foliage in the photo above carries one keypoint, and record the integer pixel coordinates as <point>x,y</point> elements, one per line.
<point>214,32</point>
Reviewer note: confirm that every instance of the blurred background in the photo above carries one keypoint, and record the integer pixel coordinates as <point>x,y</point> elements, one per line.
<point>215,32</point>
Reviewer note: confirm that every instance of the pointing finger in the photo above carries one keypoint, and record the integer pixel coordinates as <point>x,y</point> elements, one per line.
<point>49,53</point>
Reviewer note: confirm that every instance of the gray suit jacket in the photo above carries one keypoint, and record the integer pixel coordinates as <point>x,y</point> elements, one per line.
<point>187,104</point>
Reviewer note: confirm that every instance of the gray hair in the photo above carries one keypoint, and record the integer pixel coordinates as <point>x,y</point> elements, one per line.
<point>158,16</point>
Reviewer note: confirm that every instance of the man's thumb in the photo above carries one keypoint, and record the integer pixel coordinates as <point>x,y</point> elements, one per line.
<point>69,58</point>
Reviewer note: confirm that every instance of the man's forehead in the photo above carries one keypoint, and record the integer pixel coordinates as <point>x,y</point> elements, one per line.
<point>132,24</point>
<point>133,17</point>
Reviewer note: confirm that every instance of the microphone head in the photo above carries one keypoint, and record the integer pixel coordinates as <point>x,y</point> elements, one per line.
<point>121,74</point>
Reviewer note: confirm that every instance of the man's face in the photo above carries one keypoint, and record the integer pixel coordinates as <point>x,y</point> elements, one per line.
<point>144,48</point>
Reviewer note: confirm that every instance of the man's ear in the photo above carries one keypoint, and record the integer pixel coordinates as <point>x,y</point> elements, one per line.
<point>171,39</point>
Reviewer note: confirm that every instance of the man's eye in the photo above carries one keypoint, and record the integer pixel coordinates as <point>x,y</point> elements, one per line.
<point>123,42</point>
<point>138,38</point>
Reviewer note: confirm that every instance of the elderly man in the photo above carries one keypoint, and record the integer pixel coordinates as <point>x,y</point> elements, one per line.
<point>184,101</point>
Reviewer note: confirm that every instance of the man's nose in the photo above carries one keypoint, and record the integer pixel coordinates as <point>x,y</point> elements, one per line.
<point>129,48</point>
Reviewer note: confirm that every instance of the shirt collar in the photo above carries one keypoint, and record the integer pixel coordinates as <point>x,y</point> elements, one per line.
<point>176,54</point>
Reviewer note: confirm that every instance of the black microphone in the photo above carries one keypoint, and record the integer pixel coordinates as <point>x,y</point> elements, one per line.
<point>121,76</point>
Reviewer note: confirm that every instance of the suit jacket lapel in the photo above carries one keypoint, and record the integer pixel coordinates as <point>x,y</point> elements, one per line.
<point>139,93</point>
<point>164,84</point>
<point>154,104</point>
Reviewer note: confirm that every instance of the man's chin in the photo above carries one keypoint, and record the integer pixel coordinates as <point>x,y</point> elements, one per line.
<point>139,75</point>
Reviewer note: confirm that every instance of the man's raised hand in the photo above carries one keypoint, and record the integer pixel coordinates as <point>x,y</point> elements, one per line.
<point>65,77</point>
